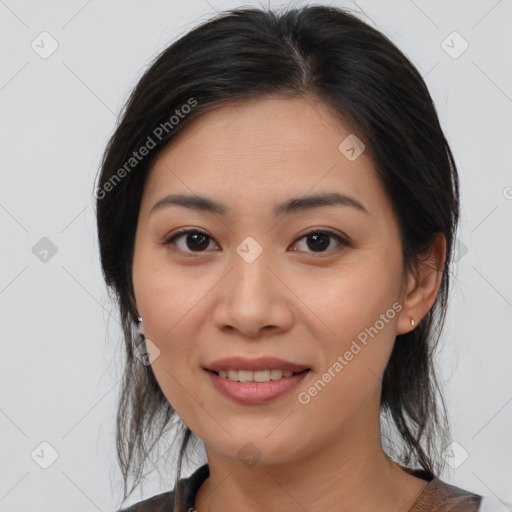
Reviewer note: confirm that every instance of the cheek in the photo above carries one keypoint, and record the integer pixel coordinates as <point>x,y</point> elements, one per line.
<point>177,371</point>
<point>350,298</point>
<point>360,309</point>
<point>351,375</point>
<point>169,295</point>
<point>173,312</point>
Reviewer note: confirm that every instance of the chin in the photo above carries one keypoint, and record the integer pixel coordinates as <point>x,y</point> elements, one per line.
<point>258,450</point>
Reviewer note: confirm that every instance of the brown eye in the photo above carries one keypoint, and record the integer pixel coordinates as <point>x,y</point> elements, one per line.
<point>318,241</point>
<point>194,241</point>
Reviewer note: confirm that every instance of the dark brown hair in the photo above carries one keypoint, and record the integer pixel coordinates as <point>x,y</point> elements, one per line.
<point>367,81</point>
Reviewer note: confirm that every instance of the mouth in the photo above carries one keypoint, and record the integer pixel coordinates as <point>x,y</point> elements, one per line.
<point>246,387</point>
<point>251,381</point>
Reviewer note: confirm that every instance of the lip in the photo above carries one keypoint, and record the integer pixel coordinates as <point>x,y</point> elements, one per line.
<point>252,393</point>
<point>260,363</point>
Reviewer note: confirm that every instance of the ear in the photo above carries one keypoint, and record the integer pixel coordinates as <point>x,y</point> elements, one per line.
<point>423,286</point>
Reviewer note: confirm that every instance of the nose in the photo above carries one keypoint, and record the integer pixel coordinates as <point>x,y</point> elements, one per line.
<point>253,299</point>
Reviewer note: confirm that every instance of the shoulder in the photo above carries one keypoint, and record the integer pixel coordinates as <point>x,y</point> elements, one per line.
<point>164,502</point>
<point>461,500</point>
<point>160,503</point>
<point>439,496</point>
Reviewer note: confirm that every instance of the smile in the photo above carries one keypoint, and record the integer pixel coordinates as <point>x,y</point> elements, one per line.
<point>251,391</point>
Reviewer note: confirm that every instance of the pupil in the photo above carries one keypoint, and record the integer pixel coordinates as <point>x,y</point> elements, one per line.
<point>317,244</point>
<point>197,236</point>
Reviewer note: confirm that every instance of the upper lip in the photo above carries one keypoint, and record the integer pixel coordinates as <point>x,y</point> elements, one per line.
<point>261,363</point>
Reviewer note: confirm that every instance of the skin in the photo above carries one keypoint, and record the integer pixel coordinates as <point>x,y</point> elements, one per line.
<point>300,305</point>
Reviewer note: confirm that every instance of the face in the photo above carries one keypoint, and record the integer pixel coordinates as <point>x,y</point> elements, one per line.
<point>316,284</point>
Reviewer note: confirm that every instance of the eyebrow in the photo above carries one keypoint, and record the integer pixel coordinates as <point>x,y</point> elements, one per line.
<point>289,206</point>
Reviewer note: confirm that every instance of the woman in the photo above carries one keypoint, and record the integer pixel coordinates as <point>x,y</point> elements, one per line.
<point>276,214</point>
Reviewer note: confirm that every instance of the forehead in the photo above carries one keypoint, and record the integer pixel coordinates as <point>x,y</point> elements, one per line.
<point>262,148</point>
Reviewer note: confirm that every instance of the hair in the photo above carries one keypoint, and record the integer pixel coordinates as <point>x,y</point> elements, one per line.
<point>367,82</point>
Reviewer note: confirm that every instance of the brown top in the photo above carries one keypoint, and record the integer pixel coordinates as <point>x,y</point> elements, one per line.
<point>437,496</point>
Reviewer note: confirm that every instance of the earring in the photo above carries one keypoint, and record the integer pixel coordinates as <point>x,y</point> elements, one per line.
<point>413,323</point>
<point>141,327</point>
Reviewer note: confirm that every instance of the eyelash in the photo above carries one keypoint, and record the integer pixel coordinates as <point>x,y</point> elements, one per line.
<point>172,239</point>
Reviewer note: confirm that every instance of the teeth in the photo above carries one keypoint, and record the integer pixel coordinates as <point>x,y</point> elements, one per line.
<point>257,376</point>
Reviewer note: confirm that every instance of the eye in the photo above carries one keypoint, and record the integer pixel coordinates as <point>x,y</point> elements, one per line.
<point>196,241</point>
<point>320,240</point>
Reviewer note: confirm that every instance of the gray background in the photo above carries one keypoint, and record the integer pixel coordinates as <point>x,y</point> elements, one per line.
<point>60,338</point>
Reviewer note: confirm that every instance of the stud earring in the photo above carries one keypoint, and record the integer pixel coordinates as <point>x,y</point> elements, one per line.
<point>141,327</point>
<point>413,323</point>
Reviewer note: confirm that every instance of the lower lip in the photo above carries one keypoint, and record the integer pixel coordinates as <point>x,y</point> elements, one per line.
<point>255,392</point>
